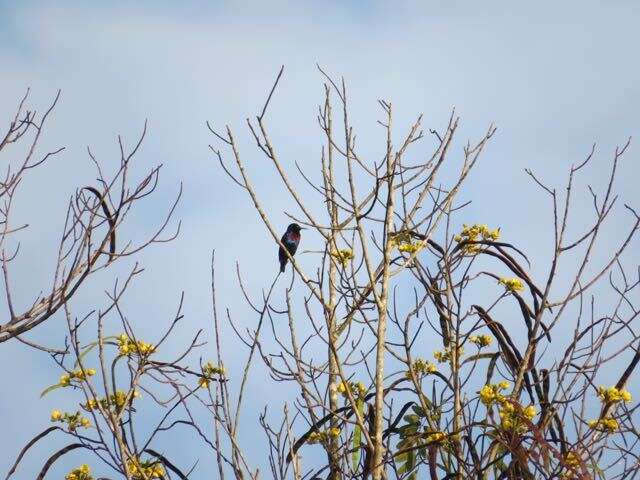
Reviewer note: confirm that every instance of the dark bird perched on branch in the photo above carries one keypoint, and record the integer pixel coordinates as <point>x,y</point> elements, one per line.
<point>291,240</point>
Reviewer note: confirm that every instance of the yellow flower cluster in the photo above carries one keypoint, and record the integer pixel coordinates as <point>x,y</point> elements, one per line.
<point>208,371</point>
<point>323,435</point>
<point>477,232</point>
<point>128,347</point>
<point>474,233</point>
<point>410,247</point>
<point>343,256</point>
<point>396,239</point>
<point>78,375</point>
<point>607,425</point>
<point>447,354</point>
<point>435,437</point>
<point>613,395</point>
<point>357,389</point>
<point>481,340</point>
<point>83,472</point>
<point>116,401</point>
<point>512,284</point>
<point>490,394</point>
<point>73,421</point>
<point>146,470</point>
<point>402,241</point>
<point>511,415</point>
<point>421,367</point>
<point>572,459</point>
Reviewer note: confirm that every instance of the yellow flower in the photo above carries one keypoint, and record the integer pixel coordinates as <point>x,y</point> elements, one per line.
<point>507,409</point>
<point>323,435</point>
<point>396,239</point>
<point>209,369</point>
<point>65,379</point>
<point>402,241</point>
<point>128,347</point>
<point>357,388</point>
<point>158,471</point>
<point>512,284</point>
<point>607,425</point>
<point>530,412</point>
<point>343,256</point>
<point>147,470</point>
<point>503,385</point>
<point>445,355</point>
<point>410,247</point>
<point>512,415</point>
<point>481,340</point>
<point>613,395</point>
<point>435,437</point>
<point>572,459</point>
<point>487,394</point>
<point>85,422</point>
<point>493,234</point>
<point>610,424</point>
<point>56,416</point>
<point>421,367</point>
<point>83,472</point>
<point>491,393</point>
<point>203,382</point>
<point>476,233</point>
<point>115,401</point>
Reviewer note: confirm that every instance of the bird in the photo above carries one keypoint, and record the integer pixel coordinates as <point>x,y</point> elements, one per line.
<point>291,240</point>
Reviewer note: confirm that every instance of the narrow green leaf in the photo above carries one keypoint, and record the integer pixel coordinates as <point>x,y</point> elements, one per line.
<point>92,345</point>
<point>418,410</point>
<point>357,437</point>
<point>51,388</point>
<point>411,418</point>
<point>479,356</point>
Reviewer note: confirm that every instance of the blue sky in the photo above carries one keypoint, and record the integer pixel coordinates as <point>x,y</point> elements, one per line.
<point>554,77</point>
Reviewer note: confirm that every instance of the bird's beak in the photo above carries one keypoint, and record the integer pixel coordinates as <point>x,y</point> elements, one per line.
<point>302,228</point>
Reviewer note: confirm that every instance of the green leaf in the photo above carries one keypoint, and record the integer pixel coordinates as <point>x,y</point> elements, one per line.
<point>408,465</point>
<point>91,346</point>
<point>401,457</point>
<point>422,453</point>
<point>51,388</point>
<point>357,437</point>
<point>479,356</point>
<point>411,418</point>
<point>418,410</point>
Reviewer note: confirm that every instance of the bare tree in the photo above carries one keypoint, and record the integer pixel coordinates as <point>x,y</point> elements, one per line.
<point>418,344</point>
<point>394,275</point>
<point>88,240</point>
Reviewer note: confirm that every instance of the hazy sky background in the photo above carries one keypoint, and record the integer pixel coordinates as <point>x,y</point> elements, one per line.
<point>554,77</point>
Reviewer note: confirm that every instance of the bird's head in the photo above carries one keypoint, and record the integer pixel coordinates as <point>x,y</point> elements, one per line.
<point>294,227</point>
